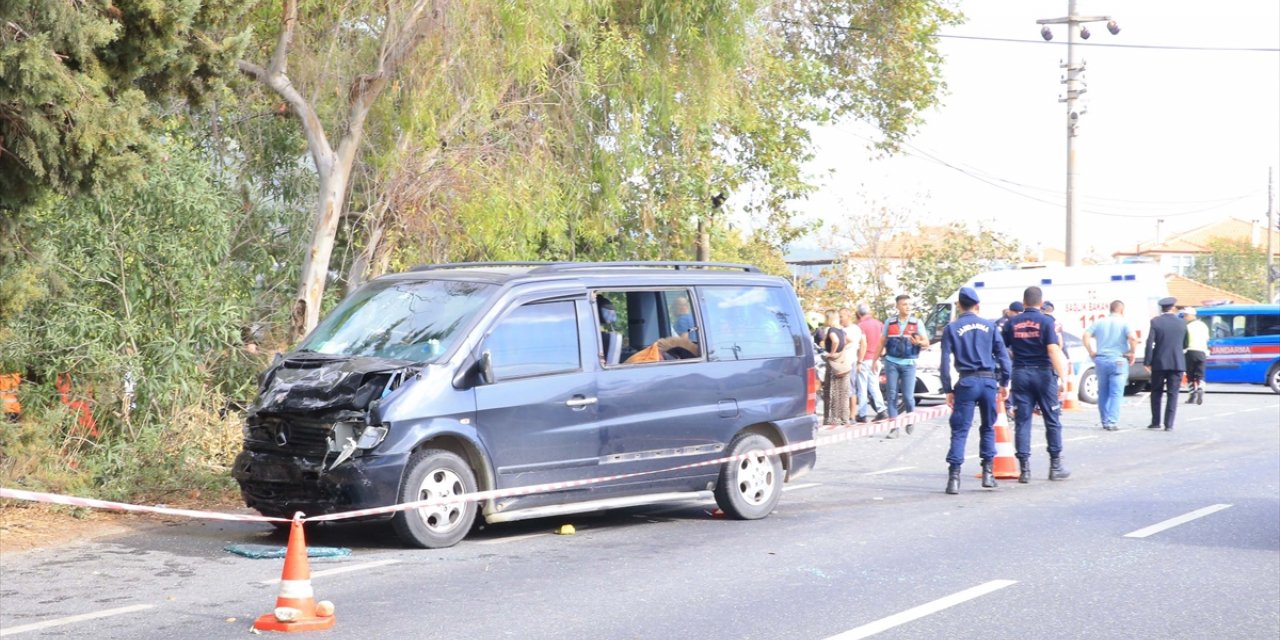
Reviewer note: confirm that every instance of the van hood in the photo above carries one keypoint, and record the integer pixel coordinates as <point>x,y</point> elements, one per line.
<point>314,383</point>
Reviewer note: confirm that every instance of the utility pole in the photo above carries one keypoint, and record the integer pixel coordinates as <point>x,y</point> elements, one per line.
<point>1272,275</point>
<point>1075,88</point>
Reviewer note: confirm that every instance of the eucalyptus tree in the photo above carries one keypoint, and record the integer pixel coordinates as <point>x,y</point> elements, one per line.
<point>577,128</point>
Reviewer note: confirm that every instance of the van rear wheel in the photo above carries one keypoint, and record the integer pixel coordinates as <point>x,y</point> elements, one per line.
<point>432,474</point>
<point>749,488</point>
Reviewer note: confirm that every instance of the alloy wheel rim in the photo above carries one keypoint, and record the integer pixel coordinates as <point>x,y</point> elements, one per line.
<point>441,484</point>
<point>756,481</point>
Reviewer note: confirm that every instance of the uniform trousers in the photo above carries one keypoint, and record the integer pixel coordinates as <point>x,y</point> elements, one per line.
<point>1035,387</point>
<point>970,392</point>
<point>1165,382</point>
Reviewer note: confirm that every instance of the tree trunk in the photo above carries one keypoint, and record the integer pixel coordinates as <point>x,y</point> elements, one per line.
<point>333,168</point>
<point>315,265</point>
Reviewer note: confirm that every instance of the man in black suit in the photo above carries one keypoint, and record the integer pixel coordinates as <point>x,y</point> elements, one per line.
<point>1166,361</point>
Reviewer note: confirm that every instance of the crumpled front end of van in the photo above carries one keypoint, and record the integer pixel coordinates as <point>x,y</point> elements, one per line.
<point>309,434</point>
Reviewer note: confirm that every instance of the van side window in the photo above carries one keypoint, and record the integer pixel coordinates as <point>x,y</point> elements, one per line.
<point>1266,325</point>
<point>1219,327</point>
<point>535,339</point>
<point>747,323</point>
<point>652,325</point>
<point>1239,326</point>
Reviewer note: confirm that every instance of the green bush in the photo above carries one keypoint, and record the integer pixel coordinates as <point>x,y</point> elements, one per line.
<point>144,305</point>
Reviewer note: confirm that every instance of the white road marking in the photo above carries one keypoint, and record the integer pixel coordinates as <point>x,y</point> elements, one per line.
<point>884,471</point>
<point>884,624</point>
<point>1078,438</point>
<point>57,622</point>
<point>337,570</point>
<point>797,487</point>
<point>507,539</point>
<point>1173,522</point>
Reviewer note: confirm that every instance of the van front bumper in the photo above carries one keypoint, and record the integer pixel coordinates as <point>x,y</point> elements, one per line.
<point>280,485</point>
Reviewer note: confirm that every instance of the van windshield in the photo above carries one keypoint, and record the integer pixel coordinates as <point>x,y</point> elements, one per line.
<point>403,320</point>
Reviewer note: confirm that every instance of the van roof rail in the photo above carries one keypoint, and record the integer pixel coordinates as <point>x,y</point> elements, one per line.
<point>476,265</point>
<point>552,267</point>
<point>678,265</point>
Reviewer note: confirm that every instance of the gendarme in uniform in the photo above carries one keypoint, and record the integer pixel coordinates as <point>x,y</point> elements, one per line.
<point>981,362</point>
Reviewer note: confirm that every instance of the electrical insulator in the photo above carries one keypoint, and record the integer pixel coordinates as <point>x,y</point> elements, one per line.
<point>1046,33</point>
<point>1113,27</point>
<point>1084,33</point>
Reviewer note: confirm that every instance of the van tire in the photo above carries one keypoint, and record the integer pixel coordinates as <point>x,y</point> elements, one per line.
<point>1273,377</point>
<point>435,473</point>
<point>749,489</point>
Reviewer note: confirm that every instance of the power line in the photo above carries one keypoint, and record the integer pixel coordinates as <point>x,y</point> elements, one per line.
<point>995,181</point>
<point>1150,203</point>
<point>1114,45</point>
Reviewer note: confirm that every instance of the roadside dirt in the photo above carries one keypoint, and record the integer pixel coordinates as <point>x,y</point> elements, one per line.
<point>26,525</point>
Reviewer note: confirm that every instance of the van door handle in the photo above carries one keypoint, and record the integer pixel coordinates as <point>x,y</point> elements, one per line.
<point>578,402</point>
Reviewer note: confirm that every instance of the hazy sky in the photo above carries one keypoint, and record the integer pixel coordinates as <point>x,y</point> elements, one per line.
<point>1182,135</point>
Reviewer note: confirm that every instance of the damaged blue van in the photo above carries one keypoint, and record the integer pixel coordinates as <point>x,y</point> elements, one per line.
<point>456,378</point>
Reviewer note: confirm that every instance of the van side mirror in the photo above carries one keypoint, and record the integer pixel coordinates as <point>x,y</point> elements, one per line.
<point>485,367</point>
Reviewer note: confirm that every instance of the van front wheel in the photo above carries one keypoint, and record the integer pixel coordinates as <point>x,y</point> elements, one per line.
<point>749,488</point>
<point>436,474</point>
<point>1273,377</point>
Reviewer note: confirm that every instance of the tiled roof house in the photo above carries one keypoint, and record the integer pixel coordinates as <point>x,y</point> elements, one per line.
<point>1178,253</point>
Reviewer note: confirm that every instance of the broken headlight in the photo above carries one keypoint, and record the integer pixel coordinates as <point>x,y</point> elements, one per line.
<point>355,435</point>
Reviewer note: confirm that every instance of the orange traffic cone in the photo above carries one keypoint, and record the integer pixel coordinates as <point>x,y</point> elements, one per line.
<point>1070,400</point>
<point>296,607</point>
<point>1005,465</point>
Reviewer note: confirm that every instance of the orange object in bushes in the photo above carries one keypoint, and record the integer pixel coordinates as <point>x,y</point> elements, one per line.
<point>9,404</point>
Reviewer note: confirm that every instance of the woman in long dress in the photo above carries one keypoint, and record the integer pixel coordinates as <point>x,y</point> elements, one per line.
<point>835,385</point>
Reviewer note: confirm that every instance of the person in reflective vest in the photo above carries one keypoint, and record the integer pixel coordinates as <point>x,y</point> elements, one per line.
<point>900,345</point>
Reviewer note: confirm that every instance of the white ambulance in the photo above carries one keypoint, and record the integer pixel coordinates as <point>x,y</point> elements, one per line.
<point>1080,295</point>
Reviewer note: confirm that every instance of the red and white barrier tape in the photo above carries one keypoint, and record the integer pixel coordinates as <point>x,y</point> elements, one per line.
<point>903,420</point>
<point>36,496</point>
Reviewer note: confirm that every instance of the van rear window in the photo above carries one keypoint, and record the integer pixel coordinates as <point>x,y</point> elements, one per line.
<point>747,323</point>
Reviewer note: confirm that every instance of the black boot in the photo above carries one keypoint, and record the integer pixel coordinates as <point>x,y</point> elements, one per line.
<point>1024,471</point>
<point>953,480</point>
<point>1199,395</point>
<point>988,478</point>
<point>1057,471</point>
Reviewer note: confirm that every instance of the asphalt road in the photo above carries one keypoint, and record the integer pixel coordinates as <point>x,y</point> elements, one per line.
<point>866,545</point>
